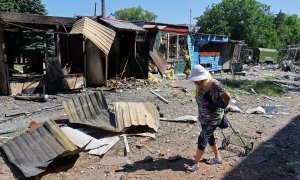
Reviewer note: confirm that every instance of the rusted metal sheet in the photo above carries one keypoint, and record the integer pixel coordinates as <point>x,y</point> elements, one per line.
<point>92,110</point>
<point>73,81</point>
<point>121,24</point>
<point>136,114</point>
<point>102,36</point>
<point>33,151</point>
<point>163,27</point>
<point>158,60</point>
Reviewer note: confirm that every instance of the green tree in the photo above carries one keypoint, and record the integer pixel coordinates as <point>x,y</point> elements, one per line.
<point>32,41</point>
<point>9,6</point>
<point>246,20</point>
<point>32,7</point>
<point>135,13</point>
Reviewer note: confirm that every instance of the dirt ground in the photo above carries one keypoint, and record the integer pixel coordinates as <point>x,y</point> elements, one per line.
<point>276,153</point>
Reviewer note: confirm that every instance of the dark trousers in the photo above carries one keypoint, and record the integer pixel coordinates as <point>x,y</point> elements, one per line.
<point>206,136</point>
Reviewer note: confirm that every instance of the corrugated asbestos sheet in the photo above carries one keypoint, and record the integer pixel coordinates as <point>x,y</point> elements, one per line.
<point>81,139</point>
<point>136,114</point>
<point>120,24</point>
<point>110,141</point>
<point>92,110</point>
<point>102,36</point>
<point>33,151</point>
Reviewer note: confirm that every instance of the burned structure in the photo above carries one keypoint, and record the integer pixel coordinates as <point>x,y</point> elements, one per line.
<point>73,53</point>
<point>168,43</point>
<point>126,57</point>
<point>24,69</point>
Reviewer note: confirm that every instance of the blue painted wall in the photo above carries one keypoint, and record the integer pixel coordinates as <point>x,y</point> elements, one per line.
<point>215,61</point>
<point>190,43</point>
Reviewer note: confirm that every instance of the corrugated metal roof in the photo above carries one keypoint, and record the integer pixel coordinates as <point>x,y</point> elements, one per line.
<point>149,26</point>
<point>102,36</point>
<point>267,50</point>
<point>110,141</point>
<point>141,23</point>
<point>136,114</point>
<point>33,151</point>
<point>90,109</point>
<point>121,24</point>
<point>81,139</point>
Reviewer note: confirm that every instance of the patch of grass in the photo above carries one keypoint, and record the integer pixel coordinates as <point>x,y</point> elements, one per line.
<point>267,88</point>
<point>261,87</point>
<point>270,78</point>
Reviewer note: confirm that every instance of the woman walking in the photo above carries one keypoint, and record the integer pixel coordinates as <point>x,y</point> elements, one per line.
<point>212,99</point>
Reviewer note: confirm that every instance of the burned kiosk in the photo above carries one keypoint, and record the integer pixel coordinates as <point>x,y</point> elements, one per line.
<point>34,50</point>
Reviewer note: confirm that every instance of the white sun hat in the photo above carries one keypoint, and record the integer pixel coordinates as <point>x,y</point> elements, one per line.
<point>199,73</point>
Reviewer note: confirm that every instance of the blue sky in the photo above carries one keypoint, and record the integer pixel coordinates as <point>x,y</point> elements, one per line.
<point>168,11</point>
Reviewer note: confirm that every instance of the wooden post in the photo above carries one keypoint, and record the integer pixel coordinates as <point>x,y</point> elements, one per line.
<point>84,59</point>
<point>57,45</point>
<point>177,46</point>
<point>45,63</point>
<point>4,75</point>
<point>106,68</point>
<point>134,56</point>
<point>168,45</point>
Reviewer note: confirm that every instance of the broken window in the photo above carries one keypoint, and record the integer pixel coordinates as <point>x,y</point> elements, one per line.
<point>173,46</point>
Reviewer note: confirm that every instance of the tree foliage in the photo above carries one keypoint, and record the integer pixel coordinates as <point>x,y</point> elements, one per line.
<point>32,7</point>
<point>29,42</point>
<point>135,13</point>
<point>32,40</point>
<point>9,6</point>
<point>251,21</point>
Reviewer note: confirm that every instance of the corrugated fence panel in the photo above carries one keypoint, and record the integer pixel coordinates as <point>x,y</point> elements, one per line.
<point>134,114</point>
<point>100,35</point>
<point>33,151</point>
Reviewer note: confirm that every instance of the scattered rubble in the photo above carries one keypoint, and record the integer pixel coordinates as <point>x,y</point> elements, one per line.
<point>102,149</point>
<point>256,110</point>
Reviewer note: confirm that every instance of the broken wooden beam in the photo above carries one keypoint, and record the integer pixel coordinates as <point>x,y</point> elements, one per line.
<point>126,143</point>
<point>42,98</point>
<point>35,111</point>
<point>267,97</point>
<point>160,97</point>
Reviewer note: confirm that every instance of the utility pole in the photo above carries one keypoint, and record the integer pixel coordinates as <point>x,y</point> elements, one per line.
<point>103,8</point>
<point>95,9</point>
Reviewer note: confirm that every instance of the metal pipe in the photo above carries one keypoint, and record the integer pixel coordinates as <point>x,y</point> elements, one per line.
<point>103,8</point>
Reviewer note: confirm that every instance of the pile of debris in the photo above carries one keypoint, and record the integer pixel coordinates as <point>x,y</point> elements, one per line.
<point>87,115</point>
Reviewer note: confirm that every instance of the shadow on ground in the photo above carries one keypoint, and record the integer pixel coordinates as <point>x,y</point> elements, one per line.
<point>278,158</point>
<point>160,165</point>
